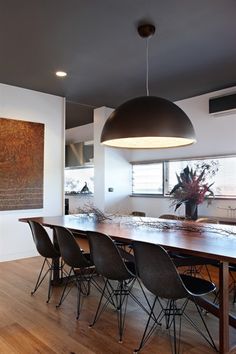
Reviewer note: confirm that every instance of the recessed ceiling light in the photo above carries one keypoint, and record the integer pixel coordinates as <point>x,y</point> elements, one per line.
<point>61,73</point>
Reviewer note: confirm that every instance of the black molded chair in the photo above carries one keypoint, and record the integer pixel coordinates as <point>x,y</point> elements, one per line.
<point>138,213</point>
<point>169,217</point>
<point>110,265</point>
<point>207,220</point>
<point>232,285</point>
<point>232,270</point>
<point>194,264</point>
<point>232,266</point>
<point>81,267</point>
<point>46,249</point>
<point>124,247</point>
<point>160,276</point>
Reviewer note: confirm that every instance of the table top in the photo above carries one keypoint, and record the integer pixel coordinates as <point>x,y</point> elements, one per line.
<point>207,240</point>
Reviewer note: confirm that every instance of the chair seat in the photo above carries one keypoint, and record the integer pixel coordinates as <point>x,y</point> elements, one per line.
<point>197,286</point>
<point>183,259</point>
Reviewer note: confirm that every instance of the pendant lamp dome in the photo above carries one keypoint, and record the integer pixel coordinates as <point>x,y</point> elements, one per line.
<point>148,122</point>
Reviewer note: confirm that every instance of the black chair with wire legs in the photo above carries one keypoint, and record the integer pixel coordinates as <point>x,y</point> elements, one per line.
<point>193,265</point>
<point>138,213</point>
<point>127,248</point>
<point>160,276</point>
<point>46,249</point>
<point>81,267</point>
<point>232,285</point>
<point>232,270</point>
<point>119,277</point>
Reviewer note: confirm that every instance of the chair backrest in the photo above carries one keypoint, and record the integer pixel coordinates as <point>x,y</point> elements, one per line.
<point>107,258</point>
<point>138,213</point>
<point>69,248</point>
<point>169,217</point>
<point>208,220</point>
<point>42,241</point>
<point>157,271</point>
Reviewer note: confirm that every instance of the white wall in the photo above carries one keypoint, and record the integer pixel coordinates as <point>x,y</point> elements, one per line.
<point>216,135</point>
<point>111,170</point>
<point>79,134</point>
<point>17,103</point>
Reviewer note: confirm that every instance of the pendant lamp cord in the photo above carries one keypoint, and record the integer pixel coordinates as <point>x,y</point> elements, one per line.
<point>147,66</point>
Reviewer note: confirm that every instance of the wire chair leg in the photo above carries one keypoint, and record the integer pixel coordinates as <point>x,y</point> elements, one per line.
<point>120,313</point>
<point>40,278</point>
<point>123,294</point>
<point>175,312</point>
<point>83,288</point>
<point>147,334</point>
<point>78,283</point>
<point>99,309</point>
<point>208,273</point>
<point>85,282</point>
<point>138,302</point>
<point>210,340</point>
<point>64,294</point>
<point>174,326</point>
<point>167,313</point>
<point>50,284</point>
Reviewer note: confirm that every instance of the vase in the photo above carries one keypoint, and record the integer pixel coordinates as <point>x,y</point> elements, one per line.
<point>191,210</point>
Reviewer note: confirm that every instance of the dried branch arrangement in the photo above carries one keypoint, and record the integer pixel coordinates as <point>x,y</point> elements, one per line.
<point>184,226</point>
<point>96,213</point>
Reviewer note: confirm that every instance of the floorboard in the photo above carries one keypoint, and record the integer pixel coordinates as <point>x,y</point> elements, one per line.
<point>29,325</point>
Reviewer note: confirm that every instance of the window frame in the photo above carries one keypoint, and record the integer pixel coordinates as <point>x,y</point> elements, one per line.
<point>165,164</point>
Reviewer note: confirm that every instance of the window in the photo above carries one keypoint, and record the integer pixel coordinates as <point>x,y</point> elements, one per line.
<point>148,178</point>
<point>175,167</point>
<point>79,180</point>
<point>225,179</point>
<point>160,177</point>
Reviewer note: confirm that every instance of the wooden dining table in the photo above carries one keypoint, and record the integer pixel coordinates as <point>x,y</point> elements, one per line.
<point>215,242</point>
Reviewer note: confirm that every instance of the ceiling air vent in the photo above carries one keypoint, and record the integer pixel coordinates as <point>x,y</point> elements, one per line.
<point>222,105</point>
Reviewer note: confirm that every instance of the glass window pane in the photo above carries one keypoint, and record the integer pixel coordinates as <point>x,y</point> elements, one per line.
<point>79,180</point>
<point>224,179</point>
<point>147,178</point>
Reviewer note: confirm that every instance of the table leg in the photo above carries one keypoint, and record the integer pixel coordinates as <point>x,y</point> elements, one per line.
<point>224,307</point>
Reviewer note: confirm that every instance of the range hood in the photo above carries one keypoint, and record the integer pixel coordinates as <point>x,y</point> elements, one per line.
<point>79,154</point>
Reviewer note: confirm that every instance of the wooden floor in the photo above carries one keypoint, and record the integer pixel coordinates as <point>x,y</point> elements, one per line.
<point>29,325</point>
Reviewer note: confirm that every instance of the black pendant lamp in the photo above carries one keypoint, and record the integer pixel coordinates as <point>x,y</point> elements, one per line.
<point>148,122</point>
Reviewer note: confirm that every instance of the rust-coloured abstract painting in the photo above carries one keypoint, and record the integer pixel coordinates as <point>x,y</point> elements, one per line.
<point>21,164</point>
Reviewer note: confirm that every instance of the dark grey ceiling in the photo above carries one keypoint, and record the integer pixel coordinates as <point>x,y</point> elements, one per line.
<point>96,43</point>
